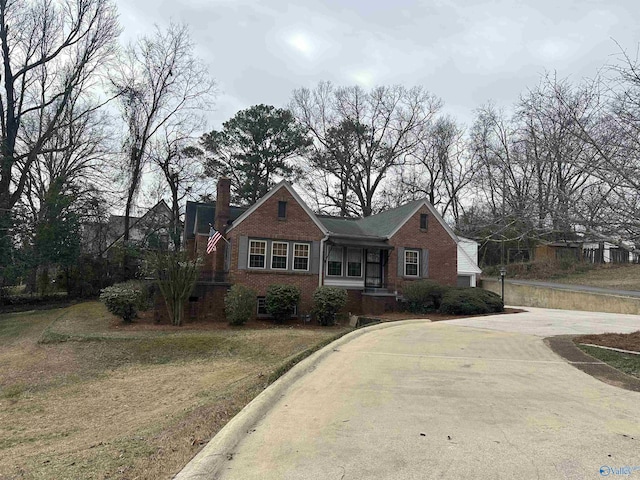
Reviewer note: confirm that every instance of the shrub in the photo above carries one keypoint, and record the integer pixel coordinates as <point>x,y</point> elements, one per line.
<point>240,304</point>
<point>123,300</point>
<point>424,295</point>
<point>175,275</point>
<point>327,301</point>
<point>493,300</point>
<point>281,300</point>
<point>470,301</point>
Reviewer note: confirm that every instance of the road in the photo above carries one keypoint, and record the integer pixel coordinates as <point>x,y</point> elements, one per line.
<point>474,399</point>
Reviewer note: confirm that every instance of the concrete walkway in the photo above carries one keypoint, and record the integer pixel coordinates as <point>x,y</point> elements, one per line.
<point>463,399</point>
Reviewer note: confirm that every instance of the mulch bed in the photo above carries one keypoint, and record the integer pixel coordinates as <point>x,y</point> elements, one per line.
<point>146,321</point>
<point>625,341</point>
<point>436,317</point>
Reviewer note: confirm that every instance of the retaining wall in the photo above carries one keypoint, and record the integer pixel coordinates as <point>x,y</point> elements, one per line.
<point>548,297</point>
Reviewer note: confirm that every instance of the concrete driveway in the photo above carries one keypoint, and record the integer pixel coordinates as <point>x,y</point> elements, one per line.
<point>442,400</point>
<point>547,322</point>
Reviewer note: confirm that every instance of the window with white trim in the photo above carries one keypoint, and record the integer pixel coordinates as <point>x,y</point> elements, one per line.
<point>279,255</point>
<point>354,262</point>
<point>257,253</point>
<point>334,262</point>
<point>301,256</point>
<point>411,263</point>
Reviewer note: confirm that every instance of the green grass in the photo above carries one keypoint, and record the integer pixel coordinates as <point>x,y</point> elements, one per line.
<point>17,325</point>
<point>627,363</point>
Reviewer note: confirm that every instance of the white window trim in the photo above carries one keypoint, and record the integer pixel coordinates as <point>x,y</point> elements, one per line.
<point>417,252</point>
<point>286,257</point>
<point>341,263</point>
<point>308,257</point>
<point>264,242</point>
<point>361,262</point>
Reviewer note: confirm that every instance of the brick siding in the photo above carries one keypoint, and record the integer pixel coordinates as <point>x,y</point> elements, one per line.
<point>443,251</point>
<point>263,223</point>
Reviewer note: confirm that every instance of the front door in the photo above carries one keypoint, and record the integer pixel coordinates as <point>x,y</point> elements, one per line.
<point>373,269</point>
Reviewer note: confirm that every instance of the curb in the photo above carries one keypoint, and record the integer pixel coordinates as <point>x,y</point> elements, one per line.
<point>213,457</point>
<point>564,347</point>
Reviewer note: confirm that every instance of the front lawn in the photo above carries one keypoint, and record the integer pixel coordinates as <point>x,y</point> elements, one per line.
<point>82,396</point>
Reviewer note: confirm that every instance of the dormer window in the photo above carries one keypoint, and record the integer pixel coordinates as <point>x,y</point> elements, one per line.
<point>424,221</point>
<point>282,210</point>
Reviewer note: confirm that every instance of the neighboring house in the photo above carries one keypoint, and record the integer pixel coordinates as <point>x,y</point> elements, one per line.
<point>569,250</point>
<point>608,252</point>
<point>152,231</point>
<point>468,270</point>
<point>280,240</point>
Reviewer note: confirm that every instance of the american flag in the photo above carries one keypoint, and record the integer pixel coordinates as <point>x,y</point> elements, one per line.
<point>214,237</point>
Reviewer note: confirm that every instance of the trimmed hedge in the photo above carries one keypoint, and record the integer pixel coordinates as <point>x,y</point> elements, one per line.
<point>424,295</point>
<point>470,301</point>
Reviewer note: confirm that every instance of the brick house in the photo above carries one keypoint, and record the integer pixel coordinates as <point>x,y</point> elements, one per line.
<point>280,240</point>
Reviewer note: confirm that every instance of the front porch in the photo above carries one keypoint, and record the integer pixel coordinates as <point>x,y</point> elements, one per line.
<point>357,264</point>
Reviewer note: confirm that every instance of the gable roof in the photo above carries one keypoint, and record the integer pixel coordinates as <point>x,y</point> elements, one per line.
<point>271,193</point>
<point>380,226</point>
<point>389,222</point>
<point>384,224</point>
<point>118,222</point>
<point>199,215</point>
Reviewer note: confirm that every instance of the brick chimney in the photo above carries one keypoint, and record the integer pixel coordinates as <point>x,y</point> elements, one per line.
<point>223,199</point>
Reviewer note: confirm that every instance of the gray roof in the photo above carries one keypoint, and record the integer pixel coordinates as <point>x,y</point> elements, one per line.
<point>380,225</point>
<point>343,226</point>
<point>204,214</point>
<point>385,223</point>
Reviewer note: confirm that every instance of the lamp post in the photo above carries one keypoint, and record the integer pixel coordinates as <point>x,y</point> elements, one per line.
<point>503,272</point>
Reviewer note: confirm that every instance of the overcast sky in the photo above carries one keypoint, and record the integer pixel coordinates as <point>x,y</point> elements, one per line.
<point>465,52</point>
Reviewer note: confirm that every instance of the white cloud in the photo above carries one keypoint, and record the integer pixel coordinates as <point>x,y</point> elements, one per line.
<point>554,49</point>
<point>301,43</point>
<point>364,78</point>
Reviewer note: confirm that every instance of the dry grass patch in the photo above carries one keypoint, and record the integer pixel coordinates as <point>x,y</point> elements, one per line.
<point>93,403</point>
<point>617,276</point>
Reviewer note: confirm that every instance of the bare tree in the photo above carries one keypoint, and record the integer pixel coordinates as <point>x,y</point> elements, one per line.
<point>563,163</point>
<point>50,49</point>
<point>158,79</point>
<point>381,126</point>
<point>611,126</point>
<point>438,169</point>
<point>176,155</point>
